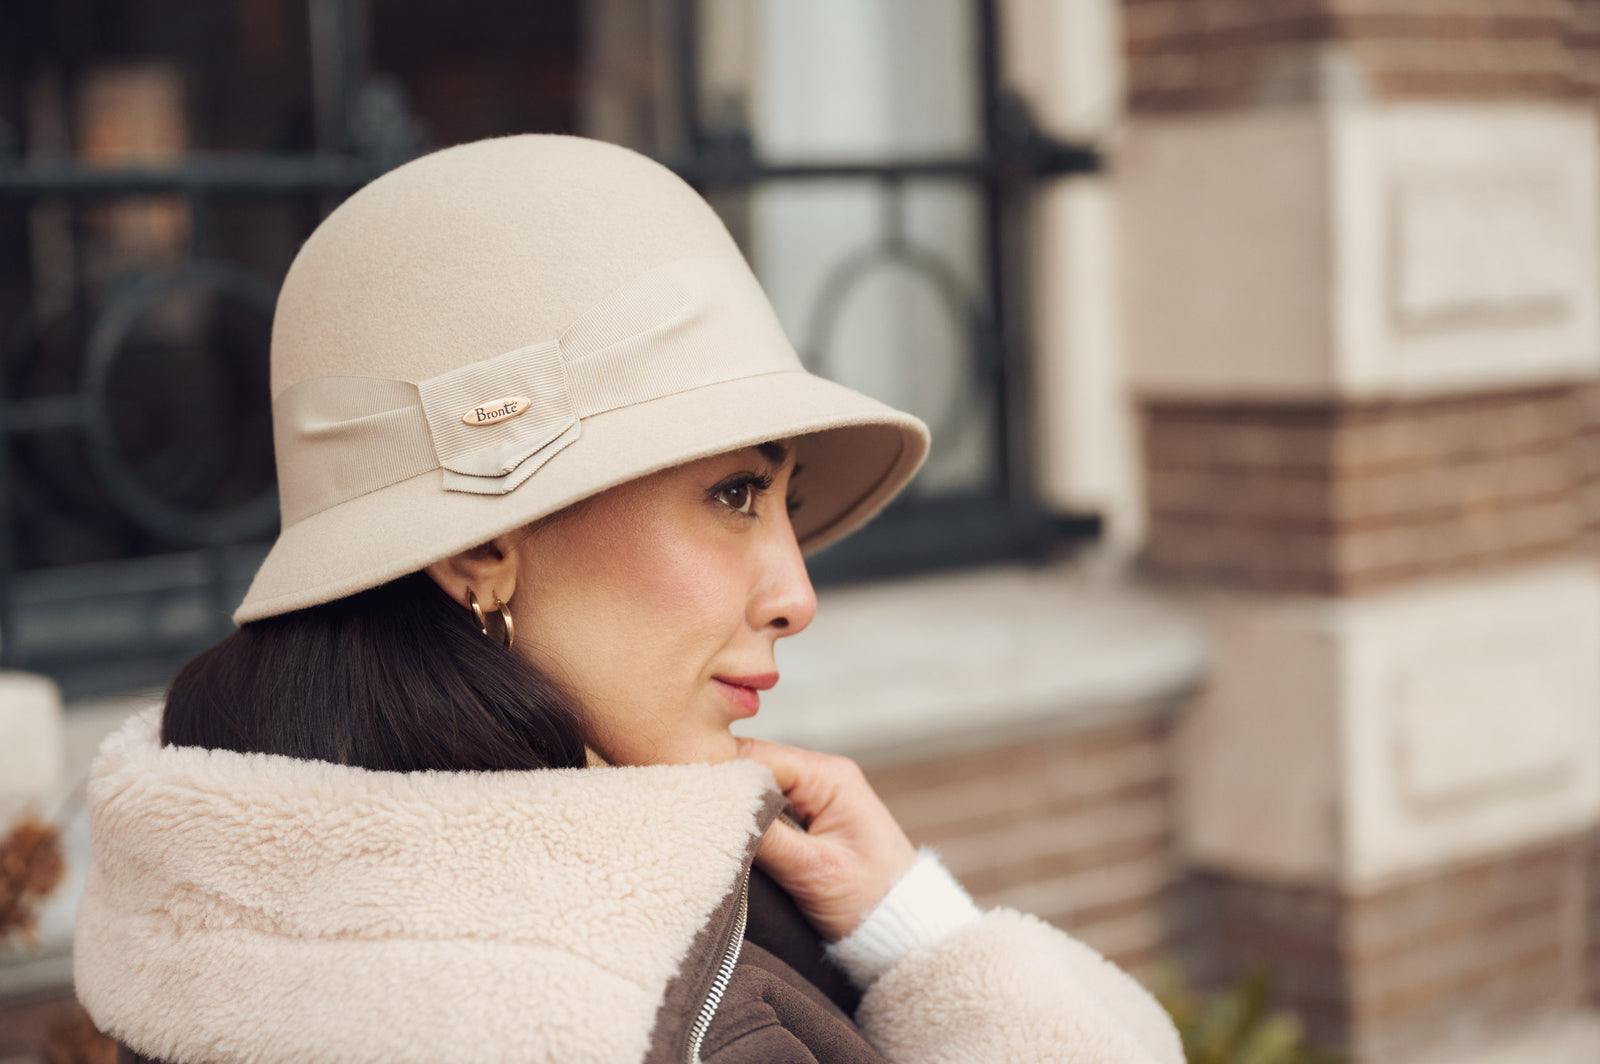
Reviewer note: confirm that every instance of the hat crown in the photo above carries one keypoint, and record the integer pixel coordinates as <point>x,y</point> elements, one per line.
<point>475,250</point>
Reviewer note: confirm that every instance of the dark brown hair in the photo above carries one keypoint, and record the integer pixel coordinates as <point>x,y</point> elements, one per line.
<point>398,678</point>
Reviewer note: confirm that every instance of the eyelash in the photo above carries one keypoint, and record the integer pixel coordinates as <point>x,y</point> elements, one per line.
<point>756,484</point>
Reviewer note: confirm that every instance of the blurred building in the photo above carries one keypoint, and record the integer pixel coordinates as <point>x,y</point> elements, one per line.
<point>1247,609</point>
<point>1360,308</point>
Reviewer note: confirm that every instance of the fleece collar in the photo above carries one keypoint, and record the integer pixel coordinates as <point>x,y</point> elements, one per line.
<point>251,907</point>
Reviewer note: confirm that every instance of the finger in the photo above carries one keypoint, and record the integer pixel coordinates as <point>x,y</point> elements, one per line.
<point>781,851</point>
<point>811,781</point>
<point>786,762</point>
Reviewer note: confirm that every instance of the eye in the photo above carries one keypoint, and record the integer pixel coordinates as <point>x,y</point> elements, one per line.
<point>738,497</point>
<point>738,493</point>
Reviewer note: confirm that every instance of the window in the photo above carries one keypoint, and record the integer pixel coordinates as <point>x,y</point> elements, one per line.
<point>162,162</point>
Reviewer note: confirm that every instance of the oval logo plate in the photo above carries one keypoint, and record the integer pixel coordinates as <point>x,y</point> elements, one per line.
<point>496,410</point>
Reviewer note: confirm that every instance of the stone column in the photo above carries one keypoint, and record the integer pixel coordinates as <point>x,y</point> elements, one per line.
<point>1361,317</point>
<point>1063,57</point>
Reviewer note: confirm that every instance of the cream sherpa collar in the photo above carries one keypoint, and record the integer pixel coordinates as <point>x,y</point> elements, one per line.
<point>263,908</point>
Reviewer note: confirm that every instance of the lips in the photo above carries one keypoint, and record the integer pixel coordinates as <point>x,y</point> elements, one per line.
<point>744,692</point>
<point>762,682</point>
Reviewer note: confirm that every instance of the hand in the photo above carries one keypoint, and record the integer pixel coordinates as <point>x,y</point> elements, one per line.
<point>852,851</point>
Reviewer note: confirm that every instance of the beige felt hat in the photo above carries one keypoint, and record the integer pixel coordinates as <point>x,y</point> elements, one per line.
<point>497,330</point>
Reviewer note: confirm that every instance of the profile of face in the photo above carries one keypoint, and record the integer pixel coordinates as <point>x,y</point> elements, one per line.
<point>658,603</point>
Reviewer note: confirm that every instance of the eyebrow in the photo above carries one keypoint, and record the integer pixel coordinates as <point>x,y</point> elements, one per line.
<point>776,453</point>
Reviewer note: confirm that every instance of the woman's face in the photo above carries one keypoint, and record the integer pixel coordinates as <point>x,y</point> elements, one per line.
<point>659,602</point>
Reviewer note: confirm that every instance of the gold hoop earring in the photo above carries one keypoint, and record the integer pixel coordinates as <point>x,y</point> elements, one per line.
<point>505,622</point>
<point>508,630</point>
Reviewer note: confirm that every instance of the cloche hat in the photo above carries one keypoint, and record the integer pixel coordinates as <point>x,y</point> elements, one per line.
<point>497,330</point>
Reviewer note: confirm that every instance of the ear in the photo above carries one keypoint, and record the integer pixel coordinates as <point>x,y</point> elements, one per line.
<point>488,570</point>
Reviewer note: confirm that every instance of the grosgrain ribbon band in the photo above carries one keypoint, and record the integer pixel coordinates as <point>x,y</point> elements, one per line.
<point>680,326</point>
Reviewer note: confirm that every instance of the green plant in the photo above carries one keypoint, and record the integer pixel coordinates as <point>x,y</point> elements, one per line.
<point>1236,1025</point>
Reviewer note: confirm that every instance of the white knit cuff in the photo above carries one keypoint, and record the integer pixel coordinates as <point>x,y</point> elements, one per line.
<point>923,906</point>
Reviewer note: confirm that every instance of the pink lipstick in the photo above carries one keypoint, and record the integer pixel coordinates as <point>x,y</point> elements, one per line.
<point>745,691</point>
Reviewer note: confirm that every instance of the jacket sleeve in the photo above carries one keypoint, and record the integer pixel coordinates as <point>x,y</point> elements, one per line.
<point>947,982</point>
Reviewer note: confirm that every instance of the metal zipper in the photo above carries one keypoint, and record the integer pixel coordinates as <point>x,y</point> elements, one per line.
<point>719,985</point>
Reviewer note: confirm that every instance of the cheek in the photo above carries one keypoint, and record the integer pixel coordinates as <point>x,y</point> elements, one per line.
<point>684,580</point>
<point>633,592</point>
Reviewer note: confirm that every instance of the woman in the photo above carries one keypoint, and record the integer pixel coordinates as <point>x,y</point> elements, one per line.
<point>462,786</point>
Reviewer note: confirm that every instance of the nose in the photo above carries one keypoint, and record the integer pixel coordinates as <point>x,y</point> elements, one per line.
<point>783,599</point>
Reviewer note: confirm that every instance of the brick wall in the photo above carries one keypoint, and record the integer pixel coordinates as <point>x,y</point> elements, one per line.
<point>1583,41</point>
<point>1235,922</point>
<point>1076,829</point>
<point>1455,957</point>
<point>1346,497</point>
<point>1200,54</point>
<point>1591,937</point>
<point>1469,953</point>
<point>1586,462</point>
<point>50,1028</point>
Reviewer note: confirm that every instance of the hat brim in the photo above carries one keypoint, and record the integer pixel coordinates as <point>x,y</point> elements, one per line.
<point>857,452</point>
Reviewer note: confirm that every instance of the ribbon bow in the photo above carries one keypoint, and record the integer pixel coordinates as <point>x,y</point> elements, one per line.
<point>679,326</point>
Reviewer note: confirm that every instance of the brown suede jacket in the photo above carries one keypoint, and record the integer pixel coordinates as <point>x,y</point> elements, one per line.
<point>786,1002</point>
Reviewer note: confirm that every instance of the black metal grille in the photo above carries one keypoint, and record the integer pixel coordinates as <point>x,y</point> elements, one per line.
<point>87,433</point>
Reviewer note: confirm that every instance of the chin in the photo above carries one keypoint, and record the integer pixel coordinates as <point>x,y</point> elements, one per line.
<point>709,749</point>
<point>712,749</point>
